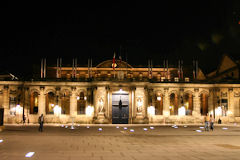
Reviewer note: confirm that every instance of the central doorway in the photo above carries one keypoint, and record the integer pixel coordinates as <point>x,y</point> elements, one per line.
<point>120,108</point>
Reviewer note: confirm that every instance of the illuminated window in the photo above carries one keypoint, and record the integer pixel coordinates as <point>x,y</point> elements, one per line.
<point>50,102</point>
<point>65,103</point>
<point>34,103</point>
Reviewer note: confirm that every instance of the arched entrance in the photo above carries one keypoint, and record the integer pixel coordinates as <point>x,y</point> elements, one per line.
<point>120,107</point>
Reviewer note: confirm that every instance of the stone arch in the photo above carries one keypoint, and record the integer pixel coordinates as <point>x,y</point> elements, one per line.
<point>53,90</point>
<point>32,90</point>
<point>204,108</point>
<point>173,96</point>
<point>188,101</point>
<point>34,100</point>
<point>64,100</point>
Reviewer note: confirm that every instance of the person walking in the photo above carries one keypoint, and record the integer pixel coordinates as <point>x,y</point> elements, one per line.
<point>207,119</point>
<point>211,122</point>
<point>40,121</point>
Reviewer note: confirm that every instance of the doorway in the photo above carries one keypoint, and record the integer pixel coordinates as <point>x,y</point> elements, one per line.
<point>120,108</point>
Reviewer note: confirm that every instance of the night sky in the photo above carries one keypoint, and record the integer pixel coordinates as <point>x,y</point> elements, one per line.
<point>202,30</point>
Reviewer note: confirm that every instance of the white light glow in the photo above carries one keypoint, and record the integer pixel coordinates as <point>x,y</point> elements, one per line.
<point>52,105</point>
<point>100,129</point>
<point>176,127</point>
<point>19,109</point>
<point>159,98</point>
<point>78,97</point>
<point>78,125</point>
<point>225,128</point>
<point>218,111</point>
<point>72,127</point>
<point>62,125</point>
<point>170,107</point>
<point>1,140</point>
<point>85,98</point>
<point>89,111</point>
<point>182,111</point>
<point>131,130</point>
<point>125,128</point>
<point>57,110</point>
<point>151,111</point>
<point>117,127</point>
<point>145,129</point>
<point>66,126</point>
<point>29,154</point>
<point>88,127</point>
<point>198,130</point>
<point>201,127</point>
<point>151,127</point>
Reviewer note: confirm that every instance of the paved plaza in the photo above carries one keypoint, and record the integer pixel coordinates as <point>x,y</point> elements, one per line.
<point>136,142</point>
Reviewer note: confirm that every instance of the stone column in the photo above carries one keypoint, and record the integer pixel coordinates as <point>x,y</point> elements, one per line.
<point>166,103</point>
<point>6,102</point>
<point>42,102</point>
<point>196,103</point>
<point>73,103</point>
<point>230,112</point>
<point>140,105</point>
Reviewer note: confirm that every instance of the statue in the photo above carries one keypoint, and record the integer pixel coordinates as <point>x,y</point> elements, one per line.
<point>101,109</point>
<point>139,105</point>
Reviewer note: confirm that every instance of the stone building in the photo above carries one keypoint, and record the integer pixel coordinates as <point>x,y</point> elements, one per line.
<point>121,94</point>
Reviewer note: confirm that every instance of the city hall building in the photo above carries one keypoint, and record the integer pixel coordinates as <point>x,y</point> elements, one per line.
<point>114,92</point>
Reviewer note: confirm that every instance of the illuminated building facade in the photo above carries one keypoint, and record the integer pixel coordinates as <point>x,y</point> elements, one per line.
<point>124,94</point>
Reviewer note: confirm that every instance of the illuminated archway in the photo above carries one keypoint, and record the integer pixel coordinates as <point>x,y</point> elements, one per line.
<point>158,104</point>
<point>50,102</point>
<point>34,103</point>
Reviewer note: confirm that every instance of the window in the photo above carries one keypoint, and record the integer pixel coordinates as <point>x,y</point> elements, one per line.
<point>34,103</point>
<point>50,102</point>
<point>81,103</point>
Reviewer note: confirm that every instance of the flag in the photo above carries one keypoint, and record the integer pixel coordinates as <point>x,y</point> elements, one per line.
<point>114,61</point>
<point>194,70</point>
<point>179,69</point>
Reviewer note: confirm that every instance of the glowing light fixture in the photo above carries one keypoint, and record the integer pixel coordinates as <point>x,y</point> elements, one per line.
<point>99,129</point>
<point>125,128</point>
<point>159,98</point>
<point>117,126</point>
<point>89,111</point>
<point>29,154</point>
<point>201,127</point>
<point>145,129</point>
<point>1,140</point>
<point>182,111</point>
<point>131,130</point>
<point>151,110</point>
<point>151,127</point>
<point>78,97</point>
<point>57,110</point>
<point>88,127</point>
<point>198,130</point>
<point>66,126</point>
<point>224,128</point>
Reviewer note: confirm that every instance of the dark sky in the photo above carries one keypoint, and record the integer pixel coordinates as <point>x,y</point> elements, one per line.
<point>171,30</point>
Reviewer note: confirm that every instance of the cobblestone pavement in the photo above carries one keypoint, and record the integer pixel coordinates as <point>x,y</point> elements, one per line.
<point>82,143</point>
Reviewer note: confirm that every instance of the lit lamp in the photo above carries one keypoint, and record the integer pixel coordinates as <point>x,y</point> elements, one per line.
<point>19,109</point>
<point>182,111</point>
<point>57,110</point>
<point>151,110</point>
<point>89,110</point>
<point>159,98</point>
